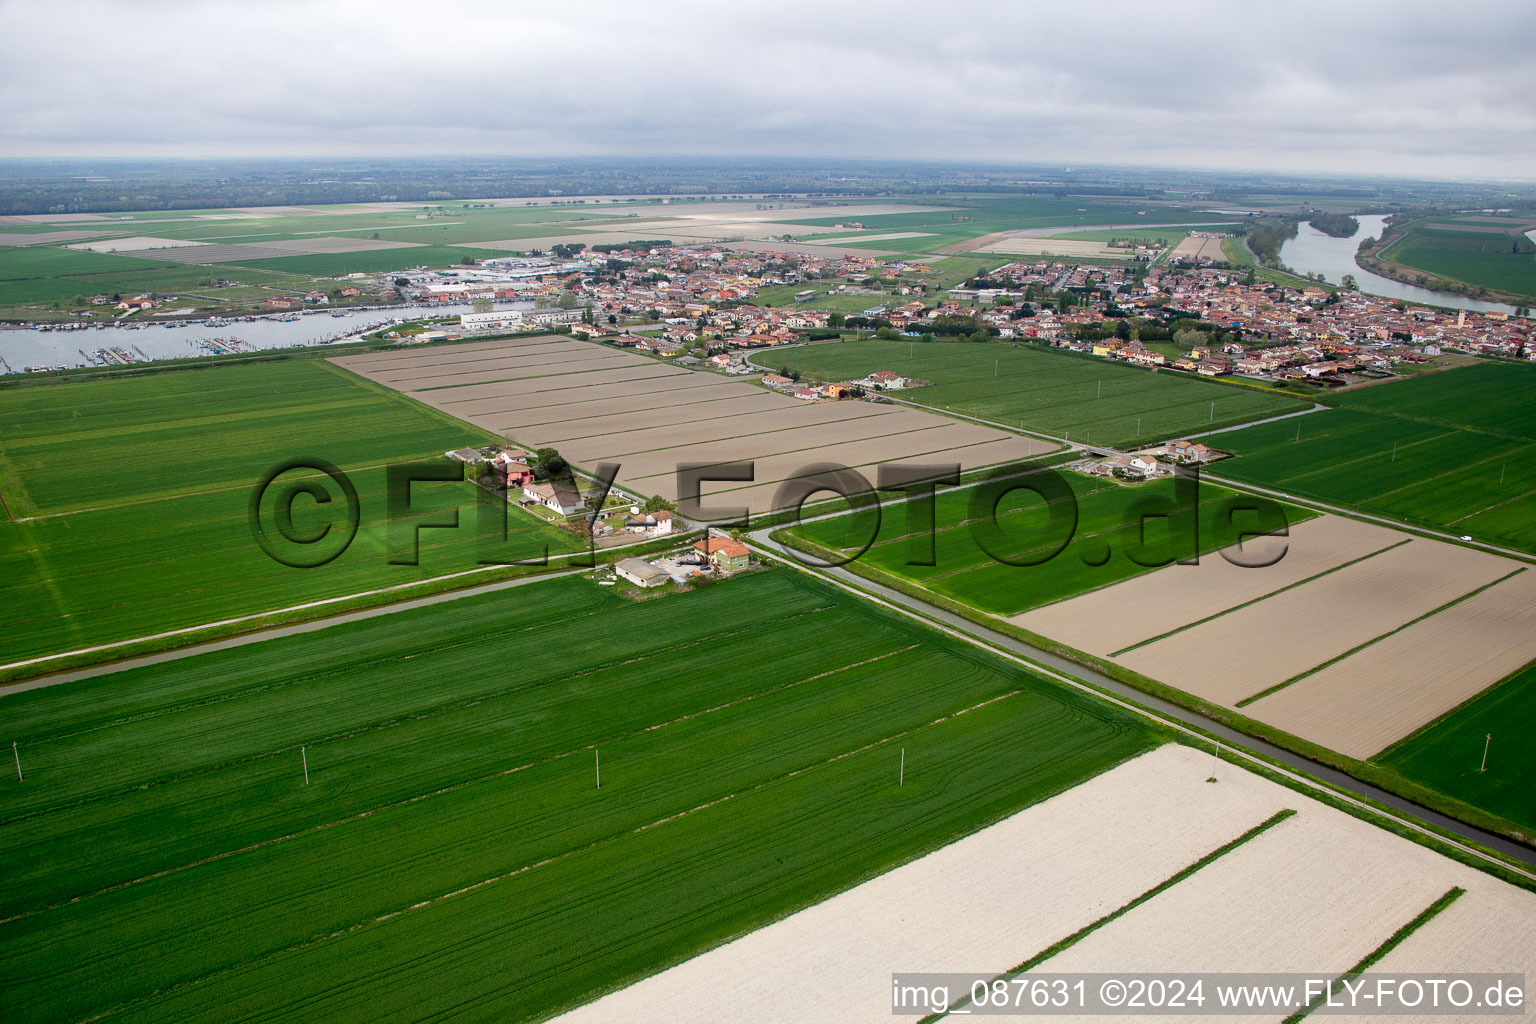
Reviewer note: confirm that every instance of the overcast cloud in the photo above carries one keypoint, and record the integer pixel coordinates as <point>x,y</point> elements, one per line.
<point>1399,88</point>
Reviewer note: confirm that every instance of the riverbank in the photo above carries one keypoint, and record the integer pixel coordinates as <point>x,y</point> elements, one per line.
<point>1314,252</point>
<point>1371,259</point>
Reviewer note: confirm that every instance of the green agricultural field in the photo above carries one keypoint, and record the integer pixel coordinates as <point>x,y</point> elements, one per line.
<point>450,848</point>
<point>128,499</point>
<point>335,264</point>
<point>1485,395</point>
<point>852,305</point>
<point>92,444</point>
<point>965,559</point>
<point>1448,754</point>
<point>1482,258</point>
<point>1450,450</point>
<point>1051,392</point>
<point>134,276</point>
<point>22,263</point>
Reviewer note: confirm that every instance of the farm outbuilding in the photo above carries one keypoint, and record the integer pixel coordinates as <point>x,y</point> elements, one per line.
<point>640,572</point>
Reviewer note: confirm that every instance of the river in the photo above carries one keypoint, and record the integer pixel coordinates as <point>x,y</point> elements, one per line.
<point>1312,252</point>
<point>20,348</point>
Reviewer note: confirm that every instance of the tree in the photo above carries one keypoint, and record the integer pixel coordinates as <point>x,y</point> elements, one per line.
<point>401,282</point>
<point>836,320</point>
<point>567,299</point>
<point>887,334</point>
<point>547,464</point>
<point>482,305</point>
<point>656,503</point>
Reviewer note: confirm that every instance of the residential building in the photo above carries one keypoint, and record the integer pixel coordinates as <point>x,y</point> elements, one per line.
<point>724,554</point>
<point>555,497</point>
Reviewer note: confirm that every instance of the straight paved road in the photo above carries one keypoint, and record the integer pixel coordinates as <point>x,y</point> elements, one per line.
<point>1168,713</point>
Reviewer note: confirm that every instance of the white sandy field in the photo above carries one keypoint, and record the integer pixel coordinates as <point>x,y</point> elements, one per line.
<point>1027,246</point>
<point>1114,618</point>
<point>1313,893</point>
<point>1365,703</point>
<point>1248,650</point>
<point>133,242</point>
<point>1482,932</point>
<point>597,403</point>
<point>1199,247</point>
<point>1228,633</point>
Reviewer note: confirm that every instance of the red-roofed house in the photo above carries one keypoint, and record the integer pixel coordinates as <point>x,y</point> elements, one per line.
<point>723,553</point>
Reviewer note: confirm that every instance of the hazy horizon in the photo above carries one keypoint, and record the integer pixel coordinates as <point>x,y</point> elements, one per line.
<point>1375,89</point>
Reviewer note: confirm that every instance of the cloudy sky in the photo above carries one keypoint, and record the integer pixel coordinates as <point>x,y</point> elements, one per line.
<point>1401,88</point>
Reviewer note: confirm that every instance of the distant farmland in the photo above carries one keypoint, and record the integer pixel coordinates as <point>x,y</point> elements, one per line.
<point>451,847</point>
<point>1477,256</point>
<point>1058,394</point>
<point>129,499</point>
<point>960,227</point>
<point>1450,450</point>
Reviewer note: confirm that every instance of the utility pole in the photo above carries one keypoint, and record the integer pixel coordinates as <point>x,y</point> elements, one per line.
<point>1101,388</point>
<point>597,768</point>
<point>1215,762</point>
<point>901,778</point>
<point>1501,473</point>
<point>1138,426</point>
<point>1298,430</point>
<point>304,755</point>
<point>1486,744</point>
<point>1213,413</point>
<point>1394,451</point>
<point>17,754</point>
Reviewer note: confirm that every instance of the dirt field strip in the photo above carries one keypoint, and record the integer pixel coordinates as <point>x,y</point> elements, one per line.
<point>1482,932</point>
<point>891,237</point>
<point>44,237</point>
<point>1237,655</point>
<point>790,440</point>
<point>1052,247</point>
<point>769,432</point>
<point>367,363</point>
<point>570,388</point>
<point>506,370</point>
<point>601,404</point>
<point>668,417</point>
<point>829,251</point>
<point>1266,907</point>
<point>1198,247</point>
<point>1003,895</point>
<point>1370,700</point>
<point>405,364</point>
<point>135,244</point>
<point>985,902</point>
<point>1275,593</point>
<point>589,410</point>
<point>1111,619</point>
<point>1373,641</point>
